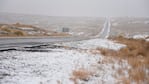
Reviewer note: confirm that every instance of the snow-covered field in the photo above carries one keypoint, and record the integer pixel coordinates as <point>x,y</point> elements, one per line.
<point>57,65</point>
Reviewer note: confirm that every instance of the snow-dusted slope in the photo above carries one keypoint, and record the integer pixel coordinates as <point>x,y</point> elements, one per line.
<point>45,67</point>
<point>57,65</point>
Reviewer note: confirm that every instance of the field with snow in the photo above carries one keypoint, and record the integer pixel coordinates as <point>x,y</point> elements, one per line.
<point>80,62</point>
<point>57,65</point>
<point>121,58</point>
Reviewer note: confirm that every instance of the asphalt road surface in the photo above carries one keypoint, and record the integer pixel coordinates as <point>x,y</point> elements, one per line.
<point>9,43</point>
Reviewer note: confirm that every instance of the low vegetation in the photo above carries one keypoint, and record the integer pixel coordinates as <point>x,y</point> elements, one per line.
<point>19,33</point>
<point>80,74</point>
<point>137,55</point>
<point>5,29</point>
<point>23,25</point>
<point>8,31</point>
<point>13,30</point>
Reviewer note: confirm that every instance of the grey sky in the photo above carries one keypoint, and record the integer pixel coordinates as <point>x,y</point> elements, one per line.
<point>77,7</point>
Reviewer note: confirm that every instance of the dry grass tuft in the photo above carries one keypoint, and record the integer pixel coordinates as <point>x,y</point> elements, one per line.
<point>6,29</point>
<point>81,74</point>
<point>19,33</point>
<point>23,25</point>
<point>107,52</point>
<point>124,80</point>
<point>137,75</point>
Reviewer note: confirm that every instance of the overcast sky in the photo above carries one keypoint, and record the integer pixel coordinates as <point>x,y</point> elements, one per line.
<point>91,8</point>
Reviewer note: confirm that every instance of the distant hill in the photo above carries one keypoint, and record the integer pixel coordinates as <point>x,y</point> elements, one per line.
<point>21,30</point>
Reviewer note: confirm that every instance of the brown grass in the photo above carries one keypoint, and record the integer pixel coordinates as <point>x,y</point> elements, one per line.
<point>23,25</point>
<point>135,47</point>
<point>13,32</point>
<point>6,29</point>
<point>137,55</point>
<point>81,74</point>
<point>19,33</point>
<point>124,80</point>
<point>137,75</point>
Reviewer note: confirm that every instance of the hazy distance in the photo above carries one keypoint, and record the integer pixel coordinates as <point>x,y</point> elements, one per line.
<point>91,8</point>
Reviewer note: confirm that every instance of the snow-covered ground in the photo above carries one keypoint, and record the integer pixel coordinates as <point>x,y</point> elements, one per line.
<point>57,65</point>
<point>94,43</point>
<point>45,67</point>
<point>141,36</point>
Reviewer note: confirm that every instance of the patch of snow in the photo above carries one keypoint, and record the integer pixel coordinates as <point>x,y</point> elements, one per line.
<point>26,28</point>
<point>139,36</point>
<point>43,67</point>
<point>80,33</point>
<point>74,33</point>
<point>115,24</point>
<point>95,43</point>
<point>147,39</point>
<point>18,67</point>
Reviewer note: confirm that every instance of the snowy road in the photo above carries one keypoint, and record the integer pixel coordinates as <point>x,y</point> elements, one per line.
<point>105,30</point>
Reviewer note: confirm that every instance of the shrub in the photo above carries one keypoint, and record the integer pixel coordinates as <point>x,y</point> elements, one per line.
<point>81,74</point>
<point>6,29</point>
<point>19,33</point>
